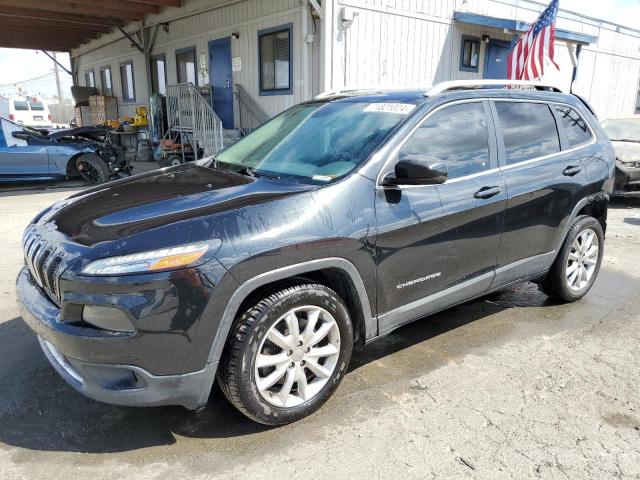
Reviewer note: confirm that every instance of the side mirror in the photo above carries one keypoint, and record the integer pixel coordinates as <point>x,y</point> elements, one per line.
<point>417,170</point>
<point>20,135</point>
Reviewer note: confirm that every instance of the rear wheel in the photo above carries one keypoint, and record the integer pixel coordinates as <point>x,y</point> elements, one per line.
<point>171,161</point>
<point>287,354</point>
<point>578,263</point>
<point>92,168</point>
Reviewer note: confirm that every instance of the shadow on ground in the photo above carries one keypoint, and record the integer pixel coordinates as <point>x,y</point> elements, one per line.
<point>40,412</point>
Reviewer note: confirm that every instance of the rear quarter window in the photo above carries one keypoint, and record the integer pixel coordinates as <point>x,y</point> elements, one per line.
<point>574,125</point>
<point>528,129</point>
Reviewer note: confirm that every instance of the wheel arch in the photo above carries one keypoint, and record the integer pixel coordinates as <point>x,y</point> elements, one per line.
<point>72,167</point>
<point>336,273</point>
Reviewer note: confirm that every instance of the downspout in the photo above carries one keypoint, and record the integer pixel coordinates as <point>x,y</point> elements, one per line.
<point>574,75</point>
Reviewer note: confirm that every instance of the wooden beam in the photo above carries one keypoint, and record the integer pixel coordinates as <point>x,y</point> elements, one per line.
<point>73,7</point>
<point>19,32</point>
<point>126,5</point>
<point>36,45</point>
<point>57,16</point>
<point>51,24</point>
<point>39,43</point>
<point>163,3</point>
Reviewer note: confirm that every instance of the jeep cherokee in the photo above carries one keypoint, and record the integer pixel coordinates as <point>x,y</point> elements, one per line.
<point>333,224</point>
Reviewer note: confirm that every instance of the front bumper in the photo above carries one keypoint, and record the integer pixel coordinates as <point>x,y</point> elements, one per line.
<point>627,183</point>
<point>72,350</point>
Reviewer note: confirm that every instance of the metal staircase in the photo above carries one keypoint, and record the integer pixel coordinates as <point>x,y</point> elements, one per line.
<point>189,113</point>
<point>250,115</point>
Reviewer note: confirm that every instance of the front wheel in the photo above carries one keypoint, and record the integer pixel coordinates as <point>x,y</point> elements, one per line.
<point>92,168</point>
<point>287,354</point>
<point>578,262</point>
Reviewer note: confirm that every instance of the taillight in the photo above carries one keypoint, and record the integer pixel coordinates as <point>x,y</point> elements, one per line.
<point>49,117</point>
<point>12,116</point>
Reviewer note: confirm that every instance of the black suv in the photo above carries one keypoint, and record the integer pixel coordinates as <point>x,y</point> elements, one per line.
<point>333,224</point>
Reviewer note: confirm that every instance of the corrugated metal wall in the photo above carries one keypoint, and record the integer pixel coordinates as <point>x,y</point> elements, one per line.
<point>417,43</point>
<point>245,17</point>
<point>390,43</point>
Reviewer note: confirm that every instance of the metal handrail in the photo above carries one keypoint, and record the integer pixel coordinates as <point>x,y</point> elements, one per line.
<point>189,111</point>
<point>470,84</point>
<point>250,115</point>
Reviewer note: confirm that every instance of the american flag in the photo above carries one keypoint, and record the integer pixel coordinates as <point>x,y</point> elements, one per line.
<point>526,60</point>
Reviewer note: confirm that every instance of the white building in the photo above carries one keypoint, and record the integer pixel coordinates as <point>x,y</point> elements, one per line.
<point>282,52</point>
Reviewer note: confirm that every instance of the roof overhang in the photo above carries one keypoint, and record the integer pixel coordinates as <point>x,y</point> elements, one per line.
<point>61,25</point>
<point>519,26</point>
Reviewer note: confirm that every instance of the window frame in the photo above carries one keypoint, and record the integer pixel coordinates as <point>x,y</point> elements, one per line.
<point>564,143</point>
<point>462,66</point>
<point>288,27</point>
<point>563,129</point>
<point>133,82</point>
<point>195,63</point>
<point>152,60</point>
<point>102,87</point>
<point>89,71</point>
<point>394,152</point>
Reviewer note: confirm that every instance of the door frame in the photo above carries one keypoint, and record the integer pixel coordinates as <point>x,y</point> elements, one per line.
<point>224,41</point>
<point>493,43</point>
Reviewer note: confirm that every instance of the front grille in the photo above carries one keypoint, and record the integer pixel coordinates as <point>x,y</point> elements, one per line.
<point>44,263</point>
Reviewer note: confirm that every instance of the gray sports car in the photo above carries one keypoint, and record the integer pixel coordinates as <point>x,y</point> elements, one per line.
<point>27,154</point>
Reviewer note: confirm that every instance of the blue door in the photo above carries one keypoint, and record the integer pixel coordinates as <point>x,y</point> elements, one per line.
<point>221,79</point>
<point>495,65</point>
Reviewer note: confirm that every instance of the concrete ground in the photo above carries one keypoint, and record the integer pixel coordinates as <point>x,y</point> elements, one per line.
<point>509,386</point>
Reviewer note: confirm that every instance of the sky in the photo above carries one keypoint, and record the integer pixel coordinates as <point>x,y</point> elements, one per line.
<point>624,12</point>
<point>17,65</point>
<point>20,65</point>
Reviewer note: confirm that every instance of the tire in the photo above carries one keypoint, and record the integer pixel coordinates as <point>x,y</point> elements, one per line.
<point>171,161</point>
<point>92,168</point>
<point>558,284</point>
<point>251,338</point>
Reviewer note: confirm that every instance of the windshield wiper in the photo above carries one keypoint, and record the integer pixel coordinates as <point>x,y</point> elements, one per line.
<point>624,140</point>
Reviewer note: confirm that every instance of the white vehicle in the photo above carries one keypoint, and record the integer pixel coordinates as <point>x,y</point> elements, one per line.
<point>29,111</point>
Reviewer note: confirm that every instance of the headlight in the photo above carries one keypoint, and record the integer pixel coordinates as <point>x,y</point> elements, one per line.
<point>150,261</point>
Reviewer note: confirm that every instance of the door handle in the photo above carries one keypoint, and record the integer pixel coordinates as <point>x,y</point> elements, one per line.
<point>571,170</point>
<point>487,192</point>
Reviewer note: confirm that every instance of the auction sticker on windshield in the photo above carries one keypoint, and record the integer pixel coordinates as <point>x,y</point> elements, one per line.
<point>401,108</point>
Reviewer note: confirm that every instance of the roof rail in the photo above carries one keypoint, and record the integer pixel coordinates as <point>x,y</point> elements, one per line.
<point>354,89</point>
<point>470,84</point>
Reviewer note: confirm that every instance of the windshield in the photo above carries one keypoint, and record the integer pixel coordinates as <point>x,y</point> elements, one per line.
<point>318,142</point>
<point>32,131</point>
<point>624,129</point>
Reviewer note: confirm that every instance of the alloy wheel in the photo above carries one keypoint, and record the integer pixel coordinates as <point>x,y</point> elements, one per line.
<point>582,260</point>
<point>297,356</point>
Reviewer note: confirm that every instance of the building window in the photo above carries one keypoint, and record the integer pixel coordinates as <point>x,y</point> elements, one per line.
<point>105,80</point>
<point>274,53</point>
<point>158,74</point>
<point>186,63</point>
<point>470,54</point>
<point>128,84</point>
<point>89,78</point>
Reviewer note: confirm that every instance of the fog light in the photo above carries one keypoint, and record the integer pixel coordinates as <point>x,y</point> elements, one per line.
<point>107,318</point>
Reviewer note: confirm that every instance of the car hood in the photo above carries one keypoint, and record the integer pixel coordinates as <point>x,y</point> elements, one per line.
<point>163,197</point>
<point>627,151</point>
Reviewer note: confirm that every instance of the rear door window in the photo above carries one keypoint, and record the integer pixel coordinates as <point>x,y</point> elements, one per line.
<point>36,105</point>
<point>457,135</point>
<point>528,129</point>
<point>574,125</point>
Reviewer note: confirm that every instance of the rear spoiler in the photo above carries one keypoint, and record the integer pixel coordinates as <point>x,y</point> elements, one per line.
<point>586,103</point>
